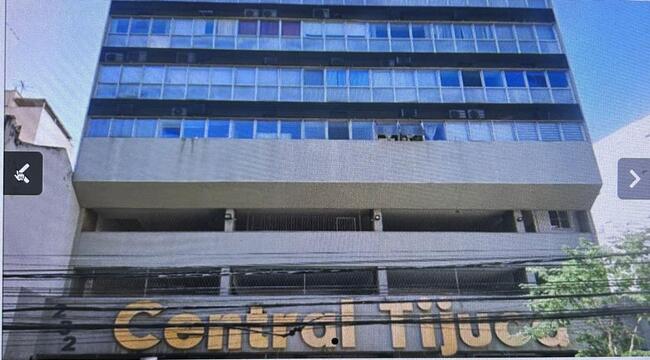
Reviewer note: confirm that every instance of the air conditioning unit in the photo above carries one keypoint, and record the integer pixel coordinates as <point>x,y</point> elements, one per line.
<point>476,114</point>
<point>251,13</point>
<point>269,13</point>
<point>179,111</point>
<point>114,57</point>
<point>457,114</point>
<point>321,13</point>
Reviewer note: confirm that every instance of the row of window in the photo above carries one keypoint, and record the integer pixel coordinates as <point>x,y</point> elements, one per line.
<point>333,84</point>
<point>272,34</point>
<point>472,3</point>
<point>337,129</point>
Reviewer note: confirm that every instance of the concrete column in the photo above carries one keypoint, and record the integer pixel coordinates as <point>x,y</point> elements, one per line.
<point>224,285</point>
<point>519,221</point>
<point>229,220</point>
<point>377,220</point>
<point>382,281</point>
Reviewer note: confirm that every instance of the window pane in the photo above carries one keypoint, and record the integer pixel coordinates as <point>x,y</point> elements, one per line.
<point>549,131</point>
<point>221,76</point>
<point>399,30</point>
<point>203,27</point>
<point>245,76</point>
<point>160,26</point>
<point>290,77</point>
<point>492,79</point>
<point>503,131</point>
<point>484,32</point>
<point>119,26</point>
<point>140,26</point>
<point>269,28</point>
<point>362,130</point>
<point>456,131</point>
<point>247,27</point>
<point>219,128</point>
<point>169,129</point>
<point>131,74</point>
<point>266,129</point>
<point>314,130</point>
<point>153,75</point>
<point>290,129</point>
<point>313,77</point>
<point>536,78</point>
<point>525,32</point>
<point>290,28</point>
<point>472,78</point>
<point>387,130</point>
<point>226,27</point>
<point>98,127</point>
<point>427,78</point>
<point>182,27</point>
<point>267,77</point>
<point>449,78</point>
<point>420,31</point>
<point>404,78</point>
<point>463,32</point>
<point>443,31</point>
<point>504,32</point>
<point>199,76</point>
<point>193,128</point>
<point>545,32</point>
<point>434,131</point>
<point>379,30</point>
<point>515,79</point>
<point>359,78</point>
<point>313,29</point>
<point>526,131</point>
<point>121,128</point>
<point>145,128</point>
<point>558,79</point>
<point>381,78</point>
<point>338,130</point>
<point>336,77</point>
<point>480,131</point>
<point>572,132</point>
<point>176,75</point>
<point>354,29</point>
<point>109,74</point>
<point>242,129</point>
<point>334,29</point>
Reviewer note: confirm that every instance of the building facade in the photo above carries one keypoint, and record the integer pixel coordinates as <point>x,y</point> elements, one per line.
<point>329,178</point>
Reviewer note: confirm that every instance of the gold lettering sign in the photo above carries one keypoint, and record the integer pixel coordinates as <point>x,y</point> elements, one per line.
<point>318,330</point>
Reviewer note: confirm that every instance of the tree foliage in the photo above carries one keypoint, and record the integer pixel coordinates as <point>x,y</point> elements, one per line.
<point>622,273</point>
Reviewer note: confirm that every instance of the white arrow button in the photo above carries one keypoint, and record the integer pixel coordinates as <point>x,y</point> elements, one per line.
<point>636,179</point>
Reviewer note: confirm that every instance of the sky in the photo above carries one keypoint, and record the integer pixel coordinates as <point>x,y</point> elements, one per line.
<point>53,47</point>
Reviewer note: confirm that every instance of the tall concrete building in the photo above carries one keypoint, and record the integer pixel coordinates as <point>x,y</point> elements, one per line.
<point>323,178</point>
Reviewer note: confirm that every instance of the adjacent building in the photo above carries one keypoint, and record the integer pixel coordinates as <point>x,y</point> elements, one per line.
<point>323,178</point>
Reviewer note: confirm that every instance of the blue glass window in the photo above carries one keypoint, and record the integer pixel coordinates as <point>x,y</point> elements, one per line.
<point>245,76</point>
<point>463,32</point>
<point>266,129</point>
<point>572,132</point>
<point>503,131</point>
<point>219,128</point>
<point>359,78</point>
<point>131,74</point>
<point>145,128</point>
<point>549,131</point>
<point>399,30</point>
<point>109,74</point>
<point>545,32</point>
<point>457,131</point>
<point>536,79</point>
<point>120,26</point>
<point>378,30</point>
<point>362,130</point>
<point>193,128</point>
<point>153,74</point>
<point>427,78</point>
<point>492,78</point>
<point>313,77</point>
<point>420,31</point>
<point>290,129</point>
<point>338,130</point>
<point>558,79</point>
<point>169,129</point>
<point>140,26</point>
<point>449,78</point>
<point>515,79</point>
<point>121,128</point>
<point>242,129</point>
<point>434,131</point>
<point>336,77</point>
<point>98,127</point>
<point>314,130</point>
<point>160,27</point>
<point>526,131</point>
<point>472,78</point>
